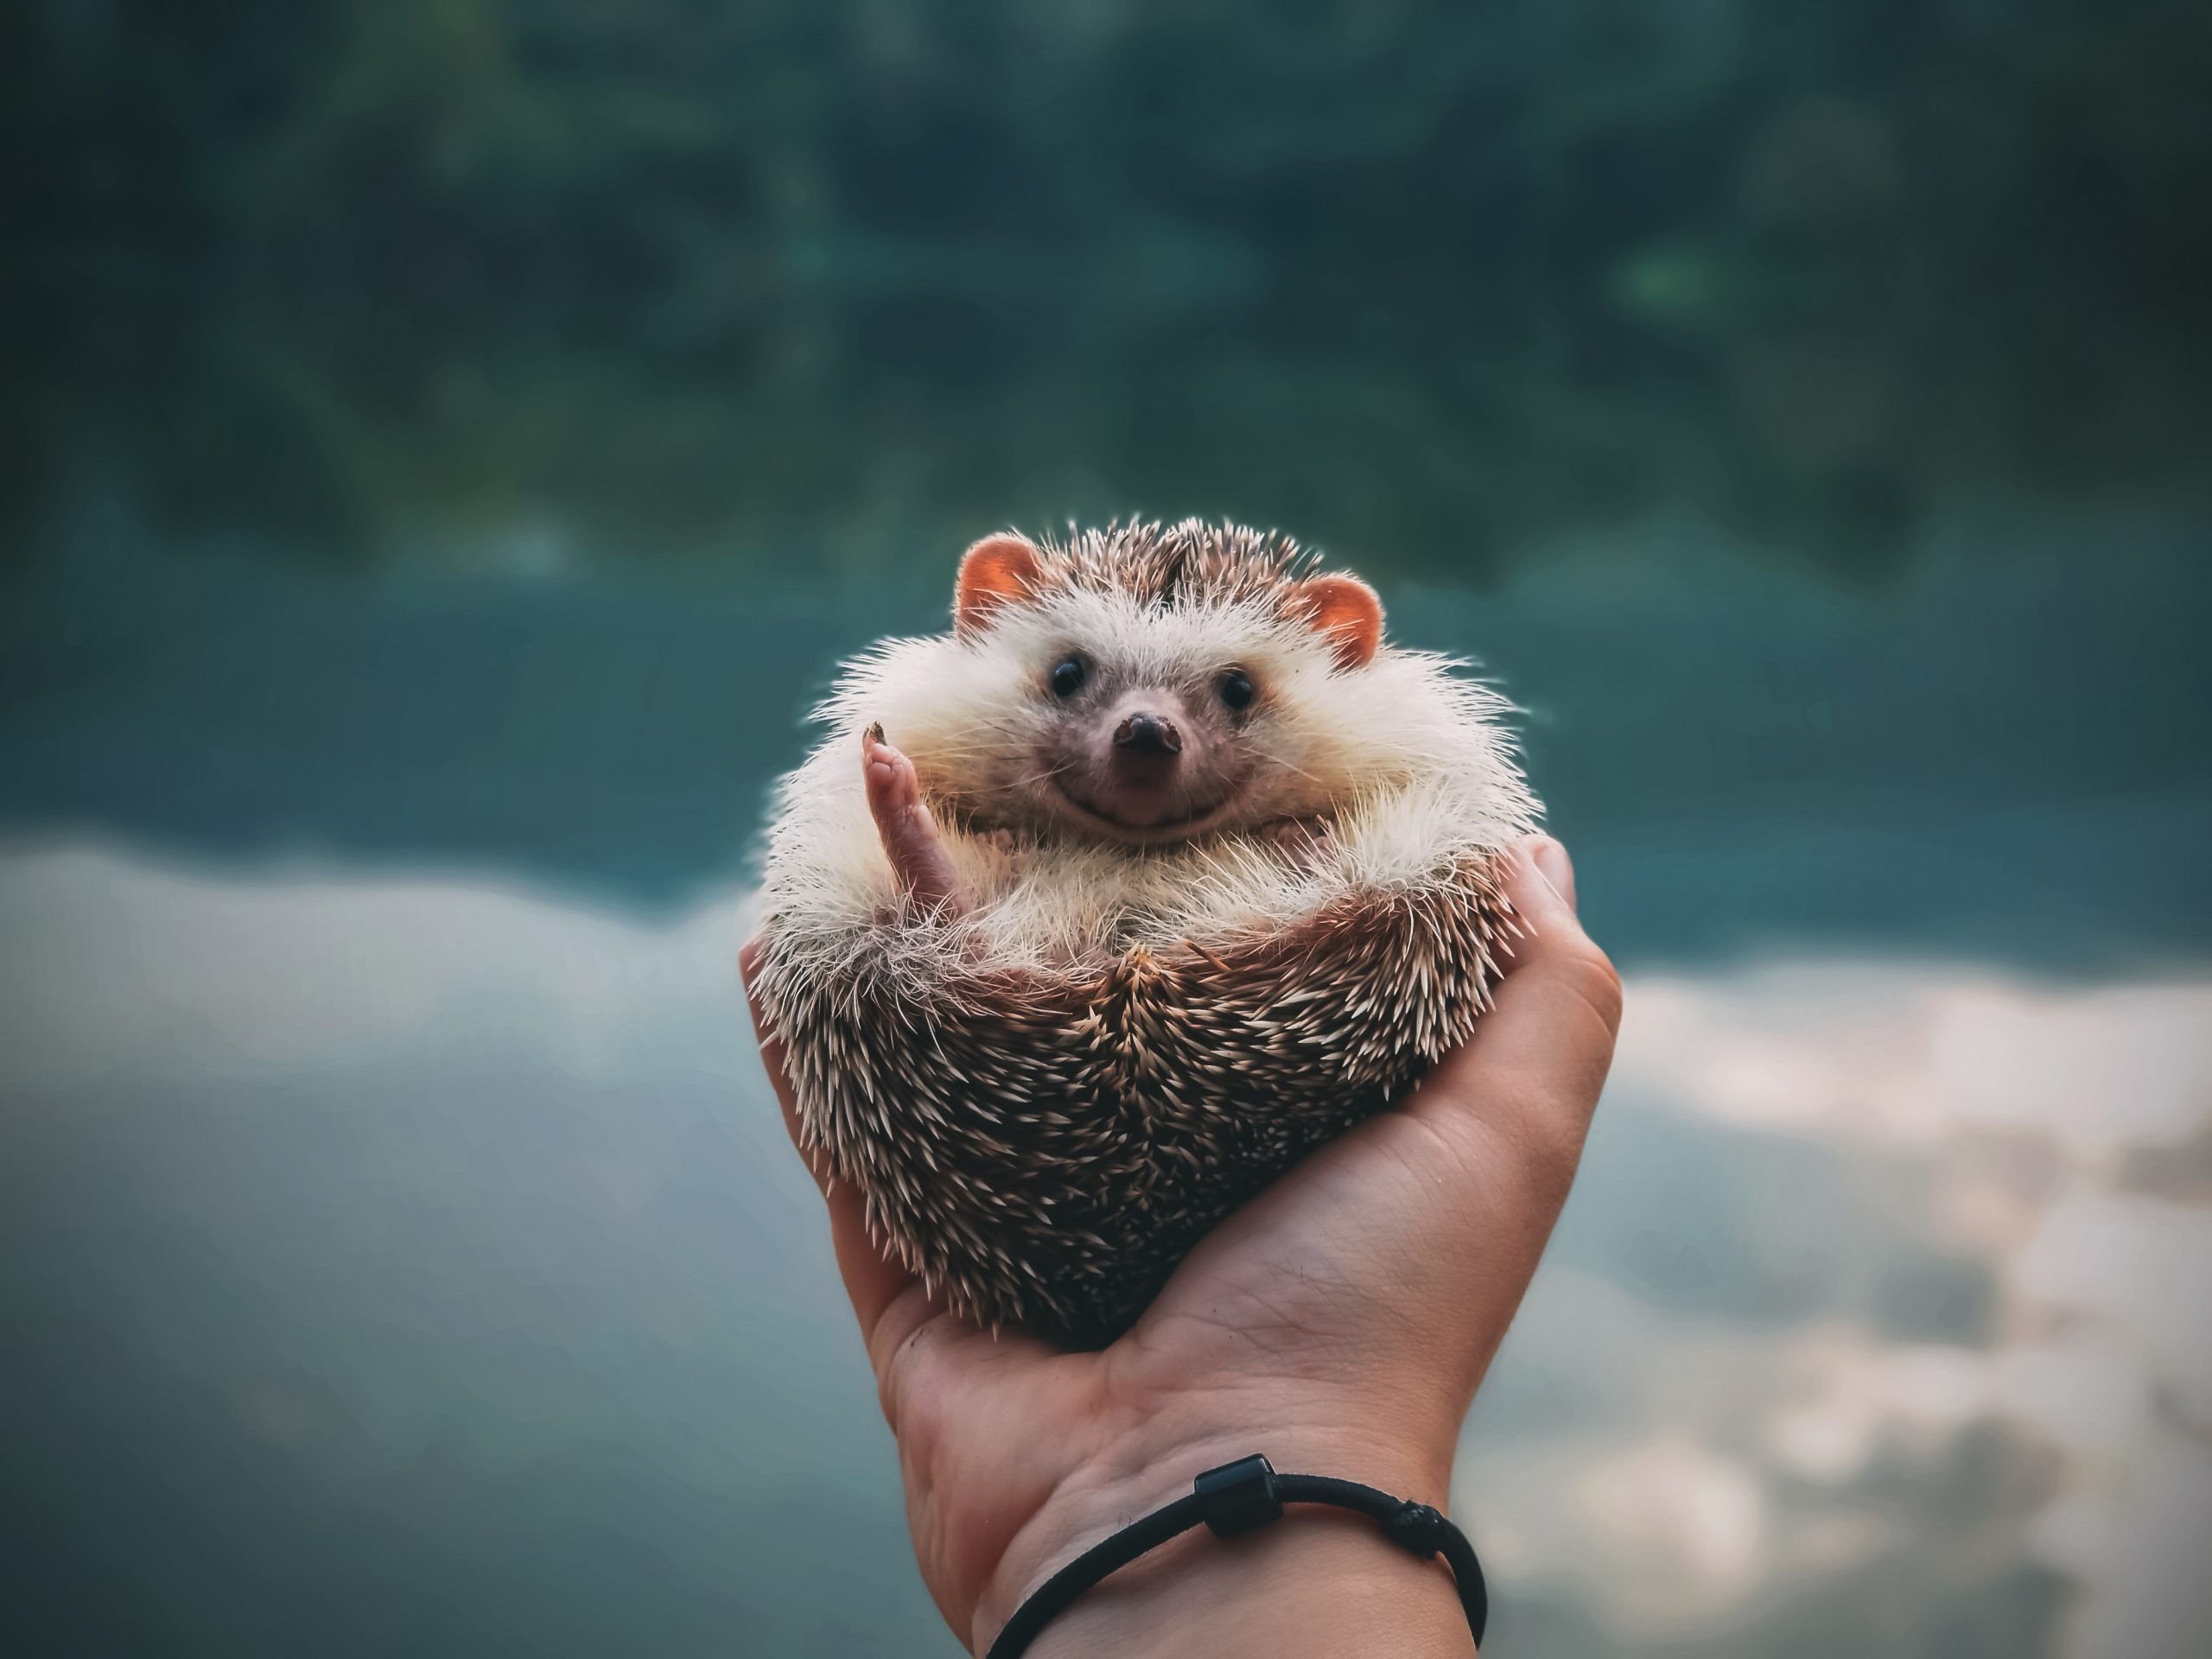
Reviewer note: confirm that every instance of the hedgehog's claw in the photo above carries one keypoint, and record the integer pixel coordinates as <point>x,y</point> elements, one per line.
<point>1307,842</point>
<point>909,833</point>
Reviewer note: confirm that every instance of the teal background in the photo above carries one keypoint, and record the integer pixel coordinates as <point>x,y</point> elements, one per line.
<point>446,446</point>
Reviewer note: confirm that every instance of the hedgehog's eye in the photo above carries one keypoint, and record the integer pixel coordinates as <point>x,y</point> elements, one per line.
<point>1068,676</point>
<point>1236,688</point>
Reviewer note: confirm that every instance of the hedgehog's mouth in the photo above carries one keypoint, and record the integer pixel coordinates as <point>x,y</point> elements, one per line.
<point>1094,815</point>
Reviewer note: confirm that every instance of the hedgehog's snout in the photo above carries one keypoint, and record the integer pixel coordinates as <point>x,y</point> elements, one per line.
<point>1149,735</point>
<point>1149,761</point>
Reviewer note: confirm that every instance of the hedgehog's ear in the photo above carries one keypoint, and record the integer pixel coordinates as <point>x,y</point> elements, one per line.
<point>996,571</point>
<point>1347,612</point>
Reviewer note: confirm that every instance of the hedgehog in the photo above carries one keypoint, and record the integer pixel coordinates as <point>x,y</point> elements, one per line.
<point>1090,915</point>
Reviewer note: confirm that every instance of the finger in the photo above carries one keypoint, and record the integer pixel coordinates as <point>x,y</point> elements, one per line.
<point>874,1281</point>
<point>1553,958</point>
<point>1532,1071</point>
<point>1555,867</point>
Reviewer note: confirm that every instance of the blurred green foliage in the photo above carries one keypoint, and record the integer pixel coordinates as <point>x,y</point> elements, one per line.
<point>1430,285</point>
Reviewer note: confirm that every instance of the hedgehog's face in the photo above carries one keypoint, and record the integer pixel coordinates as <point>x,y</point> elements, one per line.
<point>1142,751</point>
<point>1146,724</point>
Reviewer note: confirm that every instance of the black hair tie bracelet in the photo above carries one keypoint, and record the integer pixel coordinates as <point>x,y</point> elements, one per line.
<point>1237,1497</point>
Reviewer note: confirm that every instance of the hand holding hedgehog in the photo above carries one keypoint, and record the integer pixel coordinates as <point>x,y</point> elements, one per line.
<point>1096,914</point>
<point>1341,1321</point>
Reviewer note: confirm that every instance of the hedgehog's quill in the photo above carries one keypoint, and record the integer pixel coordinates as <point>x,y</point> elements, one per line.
<point>1092,915</point>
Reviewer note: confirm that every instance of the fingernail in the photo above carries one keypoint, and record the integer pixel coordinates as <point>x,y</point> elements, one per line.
<point>1555,867</point>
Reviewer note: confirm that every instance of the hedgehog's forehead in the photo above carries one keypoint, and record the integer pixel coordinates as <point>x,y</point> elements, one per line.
<point>1129,637</point>
<point>1163,564</point>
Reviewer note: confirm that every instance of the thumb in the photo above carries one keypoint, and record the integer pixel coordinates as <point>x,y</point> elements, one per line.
<point>1552,958</point>
<point>1533,1068</point>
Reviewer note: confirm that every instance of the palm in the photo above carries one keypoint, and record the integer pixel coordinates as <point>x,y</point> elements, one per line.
<point>1367,1286</point>
<point>989,1427</point>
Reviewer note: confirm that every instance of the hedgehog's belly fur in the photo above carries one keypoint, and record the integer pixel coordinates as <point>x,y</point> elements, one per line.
<point>1043,1147</point>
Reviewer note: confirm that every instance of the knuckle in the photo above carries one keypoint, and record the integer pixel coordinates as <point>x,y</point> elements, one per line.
<point>1530,1134</point>
<point>1551,1152</point>
<point>1590,974</point>
<point>904,1407</point>
<point>897,1347</point>
<point>918,1423</point>
<point>1544,1119</point>
<point>887,1391</point>
<point>1538,1147</point>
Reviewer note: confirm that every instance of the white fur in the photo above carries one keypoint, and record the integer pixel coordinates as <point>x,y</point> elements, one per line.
<point>1406,758</point>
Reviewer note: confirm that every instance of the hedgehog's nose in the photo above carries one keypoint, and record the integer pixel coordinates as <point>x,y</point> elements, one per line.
<point>1147,735</point>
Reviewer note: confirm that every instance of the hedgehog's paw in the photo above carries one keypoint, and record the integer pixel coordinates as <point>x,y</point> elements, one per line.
<point>1307,842</point>
<point>903,822</point>
<point>999,844</point>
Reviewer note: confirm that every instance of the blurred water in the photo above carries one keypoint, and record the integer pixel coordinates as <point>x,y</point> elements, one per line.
<point>445,445</point>
<point>1744,754</point>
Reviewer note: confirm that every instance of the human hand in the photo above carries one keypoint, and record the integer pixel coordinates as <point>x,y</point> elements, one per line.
<point>1340,1322</point>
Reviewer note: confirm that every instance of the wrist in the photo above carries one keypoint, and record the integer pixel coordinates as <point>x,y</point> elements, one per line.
<point>1199,1584</point>
<point>1318,1581</point>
